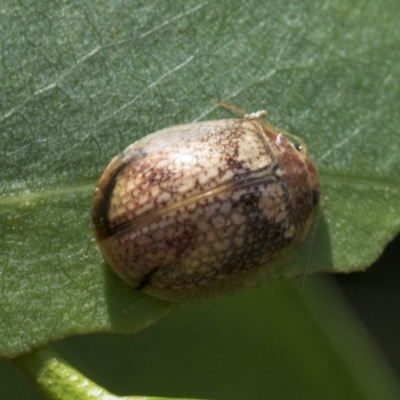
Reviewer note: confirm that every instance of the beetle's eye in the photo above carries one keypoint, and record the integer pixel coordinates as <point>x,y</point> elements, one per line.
<point>316,196</point>
<point>297,146</point>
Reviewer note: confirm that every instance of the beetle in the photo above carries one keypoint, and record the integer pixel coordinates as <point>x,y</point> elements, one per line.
<point>204,209</point>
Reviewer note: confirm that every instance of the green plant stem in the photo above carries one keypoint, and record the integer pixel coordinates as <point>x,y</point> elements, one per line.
<point>60,381</point>
<point>56,378</point>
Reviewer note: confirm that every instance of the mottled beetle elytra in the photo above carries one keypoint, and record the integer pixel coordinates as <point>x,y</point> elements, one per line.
<point>204,209</point>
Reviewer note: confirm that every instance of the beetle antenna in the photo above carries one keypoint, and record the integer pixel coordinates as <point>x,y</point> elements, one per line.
<point>230,107</point>
<point>309,249</point>
<point>254,115</point>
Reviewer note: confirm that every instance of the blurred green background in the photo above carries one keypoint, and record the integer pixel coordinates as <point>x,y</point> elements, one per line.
<point>217,349</point>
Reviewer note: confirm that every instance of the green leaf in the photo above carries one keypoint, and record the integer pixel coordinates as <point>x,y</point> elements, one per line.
<point>81,80</point>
